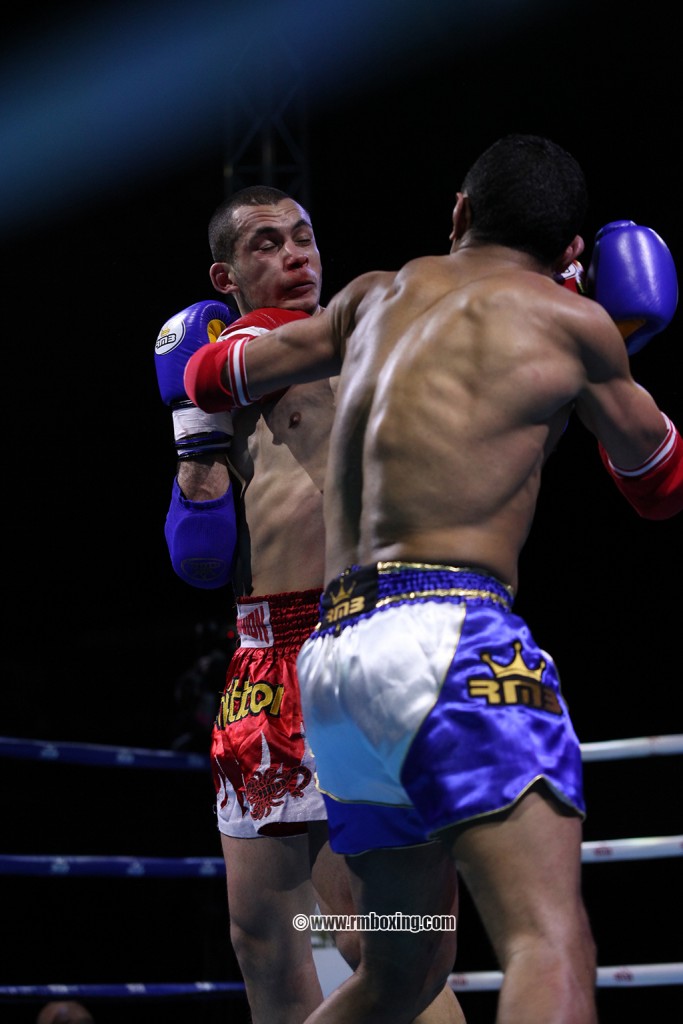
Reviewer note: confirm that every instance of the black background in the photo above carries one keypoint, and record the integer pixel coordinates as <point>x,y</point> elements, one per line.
<point>100,633</point>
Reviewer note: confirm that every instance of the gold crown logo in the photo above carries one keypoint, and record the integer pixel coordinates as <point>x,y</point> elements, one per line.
<point>342,594</point>
<point>516,668</point>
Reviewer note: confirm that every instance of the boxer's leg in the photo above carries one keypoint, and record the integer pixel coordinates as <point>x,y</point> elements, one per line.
<point>523,870</point>
<point>401,972</point>
<point>268,883</point>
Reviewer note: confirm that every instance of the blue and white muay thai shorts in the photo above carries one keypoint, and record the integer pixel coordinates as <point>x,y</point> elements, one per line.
<point>428,704</point>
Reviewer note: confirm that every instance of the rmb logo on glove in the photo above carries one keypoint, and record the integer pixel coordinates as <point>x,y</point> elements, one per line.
<point>170,336</point>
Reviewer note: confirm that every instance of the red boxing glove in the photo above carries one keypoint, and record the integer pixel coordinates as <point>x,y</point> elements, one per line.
<point>203,378</point>
<point>655,489</point>
<point>573,277</point>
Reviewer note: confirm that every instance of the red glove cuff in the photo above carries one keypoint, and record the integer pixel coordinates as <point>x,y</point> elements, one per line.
<point>203,377</point>
<point>655,488</point>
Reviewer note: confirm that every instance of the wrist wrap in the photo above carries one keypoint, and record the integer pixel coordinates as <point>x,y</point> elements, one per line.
<point>200,433</point>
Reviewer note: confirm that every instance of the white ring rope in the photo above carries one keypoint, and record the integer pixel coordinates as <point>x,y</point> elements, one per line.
<point>633,976</point>
<point>642,746</point>
<point>646,848</point>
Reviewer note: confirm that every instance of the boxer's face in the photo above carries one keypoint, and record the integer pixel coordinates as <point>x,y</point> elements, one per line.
<point>276,261</point>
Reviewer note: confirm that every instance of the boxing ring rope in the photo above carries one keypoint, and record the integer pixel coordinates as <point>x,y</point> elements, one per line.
<point>608,977</point>
<point>134,990</point>
<point>101,755</point>
<point>647,848</point>
<point>630,976</point>
<point>134,757</point>
<point>643,746</point>
<point>620,976</point>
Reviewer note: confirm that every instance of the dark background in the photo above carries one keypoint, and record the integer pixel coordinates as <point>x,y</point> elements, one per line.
<point>105,195</point>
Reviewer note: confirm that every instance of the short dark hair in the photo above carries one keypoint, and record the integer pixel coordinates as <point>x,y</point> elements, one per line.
<point>528,193</point>
<point>222,229</point>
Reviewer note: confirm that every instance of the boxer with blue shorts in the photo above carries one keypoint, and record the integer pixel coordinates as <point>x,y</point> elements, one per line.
<point>439,730</point>
<point>423,679</point>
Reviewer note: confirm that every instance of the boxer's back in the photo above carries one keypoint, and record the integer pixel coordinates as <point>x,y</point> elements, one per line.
<point>458,377</point>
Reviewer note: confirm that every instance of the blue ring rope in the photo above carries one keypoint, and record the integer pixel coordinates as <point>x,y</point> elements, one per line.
<point>95,754</point>
<point>133,990</point>
<point>111,867</point>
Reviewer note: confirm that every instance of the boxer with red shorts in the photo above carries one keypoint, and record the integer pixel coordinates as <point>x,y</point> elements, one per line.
<point>247,512</point>
<point>246,515</point>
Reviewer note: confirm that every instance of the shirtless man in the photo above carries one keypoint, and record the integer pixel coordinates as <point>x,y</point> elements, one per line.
<point>268,544</point>
<point>439,728</point>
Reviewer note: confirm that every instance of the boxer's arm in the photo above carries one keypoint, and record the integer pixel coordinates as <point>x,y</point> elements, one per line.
<point>294,354</point>
<point>633,277</point>
<point>273,343</point>
<point>204,478</point>
<point>655,487</point>
<point>249,368</point>
<point>639,446</point>
<point>200,526</point>
<point>315,349</point>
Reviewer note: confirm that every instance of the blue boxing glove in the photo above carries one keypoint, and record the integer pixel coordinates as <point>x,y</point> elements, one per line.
<point>201,538</point>
<point>632,274</point>
<point>196,432</point>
